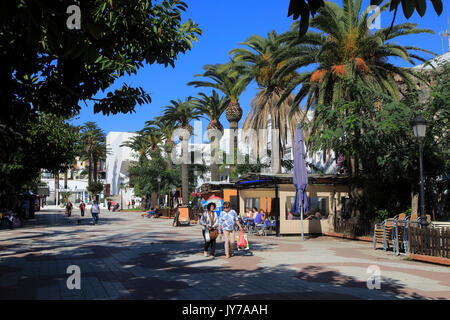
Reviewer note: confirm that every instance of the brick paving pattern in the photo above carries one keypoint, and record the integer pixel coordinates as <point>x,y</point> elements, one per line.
<point>127,256</point>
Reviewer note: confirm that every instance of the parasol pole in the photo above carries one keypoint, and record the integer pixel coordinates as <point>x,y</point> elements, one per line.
<point>301,215</point>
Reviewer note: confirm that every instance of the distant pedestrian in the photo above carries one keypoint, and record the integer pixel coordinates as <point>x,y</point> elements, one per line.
<point>129,203</point>
<point>82,208</point>
<point>176,221</point>
<point>109,205</point>
<point>227,221</point>
<point>132,203</point>
<point>209,222</point>
<point>95,210</point>
<point>69,208</point>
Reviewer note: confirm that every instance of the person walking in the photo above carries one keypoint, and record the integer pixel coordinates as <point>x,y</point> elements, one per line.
<point>209,222</point>
<point>69,207</point>
<point>82,208</point>
<point>228,219</point>
<point>95,210</point>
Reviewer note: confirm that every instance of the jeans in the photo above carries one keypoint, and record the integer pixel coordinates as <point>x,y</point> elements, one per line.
<point>211,243</point>
<point>95,217</point>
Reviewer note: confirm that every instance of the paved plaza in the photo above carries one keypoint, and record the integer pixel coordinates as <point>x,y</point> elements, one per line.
<point>127,256</point>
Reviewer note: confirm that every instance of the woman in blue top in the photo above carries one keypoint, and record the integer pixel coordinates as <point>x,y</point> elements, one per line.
<point>228,218</point>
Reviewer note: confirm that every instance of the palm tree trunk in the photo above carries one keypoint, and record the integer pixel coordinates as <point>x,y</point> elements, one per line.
<point>214,165</point>
<point>234,146</point>
<point>90,169</point>
<point>95,169</point>
<point>185,183</point>
<point>214,172</point>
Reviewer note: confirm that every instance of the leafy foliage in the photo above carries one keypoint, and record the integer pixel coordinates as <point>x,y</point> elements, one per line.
<point>344,46</point>
<point>45,142</point>
<point>95,188</point>
<point>380,141</point>
<point>302,9</point>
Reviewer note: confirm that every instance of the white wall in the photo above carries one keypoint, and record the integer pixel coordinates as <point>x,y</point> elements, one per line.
<point>116,159</point>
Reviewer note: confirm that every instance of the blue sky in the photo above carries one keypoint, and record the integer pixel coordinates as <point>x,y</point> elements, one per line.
<point>224,25</point>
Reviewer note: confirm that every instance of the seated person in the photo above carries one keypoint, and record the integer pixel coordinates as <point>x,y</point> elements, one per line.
<point>248,213</point>
<point>309,216</point>
<point>264,215</point>
<point>259,219</point>
<point>254,212</point>
<point>290,216</point>
<point>151,212</point>
<point>317,215</point>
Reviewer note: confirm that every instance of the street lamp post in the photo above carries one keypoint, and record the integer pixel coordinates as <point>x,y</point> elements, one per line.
<point>159,182</point>
<point>419,128</point>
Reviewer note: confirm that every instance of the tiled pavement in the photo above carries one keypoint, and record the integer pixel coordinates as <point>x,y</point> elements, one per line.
<point>130,257</point>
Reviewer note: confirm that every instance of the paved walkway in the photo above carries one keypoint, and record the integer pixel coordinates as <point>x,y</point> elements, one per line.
<point>130,257</point>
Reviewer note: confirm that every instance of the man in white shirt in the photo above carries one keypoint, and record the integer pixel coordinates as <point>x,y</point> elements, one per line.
<point>95,210</point>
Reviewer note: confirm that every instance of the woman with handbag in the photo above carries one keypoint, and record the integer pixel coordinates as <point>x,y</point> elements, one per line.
<point>209,222</point>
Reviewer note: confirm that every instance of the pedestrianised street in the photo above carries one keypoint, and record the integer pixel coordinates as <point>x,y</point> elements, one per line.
<point>127,256</point>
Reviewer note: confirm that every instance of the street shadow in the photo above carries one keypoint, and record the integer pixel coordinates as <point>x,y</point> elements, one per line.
<point>152,268</point>
<point>60,220</point>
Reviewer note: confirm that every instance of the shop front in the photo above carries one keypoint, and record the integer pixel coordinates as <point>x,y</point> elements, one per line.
<point>275,195</point>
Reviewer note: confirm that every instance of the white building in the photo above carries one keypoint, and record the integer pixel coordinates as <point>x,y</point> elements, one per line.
<point>118,160</point>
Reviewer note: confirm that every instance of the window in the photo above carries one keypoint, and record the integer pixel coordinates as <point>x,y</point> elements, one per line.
<point>289,208</point>
<point>314,204</point>
<point>251,202</point>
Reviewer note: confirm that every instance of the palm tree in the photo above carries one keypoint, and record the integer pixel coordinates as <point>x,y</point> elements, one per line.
<point>181,113</point>
<point>212,107</point>
<point>231,79</point>
<point>146,141</point>
<point>343,51</point>
<point>165,127</point>
<point>266,105</point>
<point>345,48</point>
<point>93,147</point>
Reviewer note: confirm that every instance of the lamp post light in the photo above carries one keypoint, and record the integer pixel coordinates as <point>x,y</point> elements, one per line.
<point>419,128</point>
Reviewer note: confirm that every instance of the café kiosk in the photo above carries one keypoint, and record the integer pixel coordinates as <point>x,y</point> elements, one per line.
<point>279,191</point>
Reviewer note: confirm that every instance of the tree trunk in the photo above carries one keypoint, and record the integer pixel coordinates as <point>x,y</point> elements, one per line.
<point>65,178</point>
<point>95,169</point>
<point>276,151</point>
<point>234,134</point>
<point>90,169</point>
<point>214,172</point>
<point>185,183</point>
<point>154,199</point>
<point>56,187</point>
<point>356,192</point>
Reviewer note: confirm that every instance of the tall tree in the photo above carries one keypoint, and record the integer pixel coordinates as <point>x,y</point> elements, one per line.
<point>52,68</point>
<point>346,47</point>
<point>182,112</point>
<point>382,141</point>
<point>165,127</point>
<point>265,106</point>
<point>302,8</point>
<point>212,107</point>
<point>93,145</point>
<point>231,79</point>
